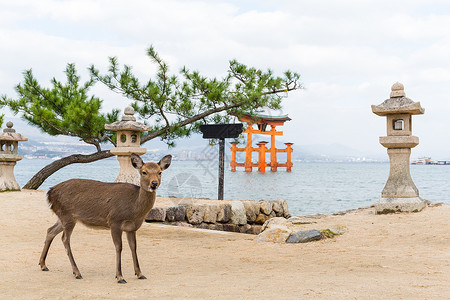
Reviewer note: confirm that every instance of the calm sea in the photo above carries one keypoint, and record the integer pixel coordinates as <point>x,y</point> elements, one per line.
<point>310,187</point>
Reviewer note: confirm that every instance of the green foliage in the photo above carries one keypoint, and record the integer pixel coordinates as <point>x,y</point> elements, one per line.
<point>177,105</point>
<point>1,120</point>
<point>65,108</point>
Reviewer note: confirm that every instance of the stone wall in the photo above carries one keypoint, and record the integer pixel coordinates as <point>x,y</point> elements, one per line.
<point>245,216</point>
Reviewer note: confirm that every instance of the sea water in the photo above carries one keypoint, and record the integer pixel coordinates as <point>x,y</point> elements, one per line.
<point>310,188</point>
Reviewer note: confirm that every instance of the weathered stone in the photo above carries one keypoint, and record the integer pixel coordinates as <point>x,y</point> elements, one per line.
<point>195,213</point>
<point>156,214</point>
<point>216,226</point>
<point>304,236</point>
<point>203,226</point>
<point>277,222</point>
<point>182,224</point>
<point>261,219</point>
<point>338,229</point>
<point>211,211</point>
<point>272,214</point>
<point>286,213</point>
<point>175,213</point>
<point>238,215</point>
<point>256,229</point>
<point>224,213</point>
<point>251,210</point>
<point>392,205</point>
<point>277,208</point>
<point>275,235</point>
<point>231,227</point>
<point>265,207</point>
<point>245,228</point>
<point>300,220</point>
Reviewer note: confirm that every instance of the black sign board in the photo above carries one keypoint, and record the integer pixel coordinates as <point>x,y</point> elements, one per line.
<point>221,131</point>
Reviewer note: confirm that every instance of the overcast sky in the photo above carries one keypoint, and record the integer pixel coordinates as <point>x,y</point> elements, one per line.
<point>349,54</point>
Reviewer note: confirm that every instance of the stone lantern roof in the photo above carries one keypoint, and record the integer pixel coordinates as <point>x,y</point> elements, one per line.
<point>10,134</point>
<point>398,103</point>
<point>128,122</point>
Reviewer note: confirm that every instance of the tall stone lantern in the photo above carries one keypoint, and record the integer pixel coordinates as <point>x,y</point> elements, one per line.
<point>128,142</point>
<point>399,193</point>
<point>9,146</point>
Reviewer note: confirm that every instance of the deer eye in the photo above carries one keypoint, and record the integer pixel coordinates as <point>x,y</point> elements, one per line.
<point>144,173</point>
<point>159,173</point>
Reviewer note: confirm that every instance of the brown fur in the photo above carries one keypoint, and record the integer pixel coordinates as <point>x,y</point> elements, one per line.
<point>115,206</point>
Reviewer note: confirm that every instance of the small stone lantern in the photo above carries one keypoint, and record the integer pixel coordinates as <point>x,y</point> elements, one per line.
<point>128,142</point>
<point>399,193</point>
<point>9,146</point>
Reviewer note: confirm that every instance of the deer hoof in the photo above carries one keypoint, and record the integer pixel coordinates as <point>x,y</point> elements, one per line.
<point>142,277</point>
<point>122,281</point>
<point>79,277</point>
<point>44,269</point>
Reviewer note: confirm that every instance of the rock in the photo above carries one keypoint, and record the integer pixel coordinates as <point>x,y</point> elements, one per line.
<point>272,214</point>
<point>275,235</point>
<point>224,213</point>
<point>299,220</point>
<point>261,219</point>
<point>277,208</point>
<point>156,214</point>
<point>304,236</point>
<point>338,229</point>
<point>211,211</point>
<point>251,210</point>
<point>256,229</point>
<point>216,226</point>
<point>265,207</point>
<point>245,228</point>
<point>175,213</point>
<point>182,224</point>
<point>203,226</point>
<point>238,215</point>
<point>195,213</point>
<point>231,227</point>
<point>286,213</point>
<point>279,222</point>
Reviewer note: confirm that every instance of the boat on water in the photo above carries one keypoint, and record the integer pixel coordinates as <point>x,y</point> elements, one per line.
<point>428,161</point>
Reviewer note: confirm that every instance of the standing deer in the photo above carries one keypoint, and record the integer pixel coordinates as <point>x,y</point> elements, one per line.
<point>115,206</point>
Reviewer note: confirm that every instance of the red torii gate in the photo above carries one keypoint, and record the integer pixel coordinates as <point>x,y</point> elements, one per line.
<point>262,121</point>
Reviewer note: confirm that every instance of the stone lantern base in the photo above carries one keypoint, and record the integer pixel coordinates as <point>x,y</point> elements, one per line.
<point>392,205</point>
<point>7,180</point>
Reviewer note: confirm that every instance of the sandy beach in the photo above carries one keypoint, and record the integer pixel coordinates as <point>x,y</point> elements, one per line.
<point>399,256</point>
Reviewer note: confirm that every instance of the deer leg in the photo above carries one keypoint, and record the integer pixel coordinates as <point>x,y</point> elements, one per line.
<point>51,233</point>
<point>116,233</point>
<point>131,236</point>
<point>67,232</point>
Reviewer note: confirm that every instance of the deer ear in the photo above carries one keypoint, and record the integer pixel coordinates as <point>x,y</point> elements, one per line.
<point>136,161</point>
<point>164,163</point>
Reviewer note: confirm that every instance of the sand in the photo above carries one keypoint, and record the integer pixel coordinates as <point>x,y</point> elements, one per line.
<point>399,256</point>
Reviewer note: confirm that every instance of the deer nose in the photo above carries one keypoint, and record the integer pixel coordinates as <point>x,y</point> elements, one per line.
<point>154,184</point>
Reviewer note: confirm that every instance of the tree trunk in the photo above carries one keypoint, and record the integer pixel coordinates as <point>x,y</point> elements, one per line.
<point>39,178</point>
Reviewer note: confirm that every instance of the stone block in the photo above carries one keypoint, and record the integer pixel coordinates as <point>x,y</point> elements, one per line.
<point>275,235</point>
<point>261,219</point>
<point>176,213</point>
<point>238,215</point>
<point>392,205</point>
<point>277,208</point>
<point>156,214</point>
<point>216,226</point>
<point>256,229</point>
<point>224,214</point>
<point>245,228</point>
<point>304,236</point>
<point>203,226</point>
<point>231,227</point>
<point>277,222</point>
<point>195,213</point>
<point>251,210</point>
<point>265,207</point>
<point>211,211</point>
<point>286,213</point>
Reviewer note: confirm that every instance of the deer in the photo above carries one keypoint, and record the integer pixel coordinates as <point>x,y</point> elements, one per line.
<point>119,207</point>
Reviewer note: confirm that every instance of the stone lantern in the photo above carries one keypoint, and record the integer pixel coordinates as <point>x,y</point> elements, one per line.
<point>9,146</point>
<point>128,142</point>
<point>399,193</point>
